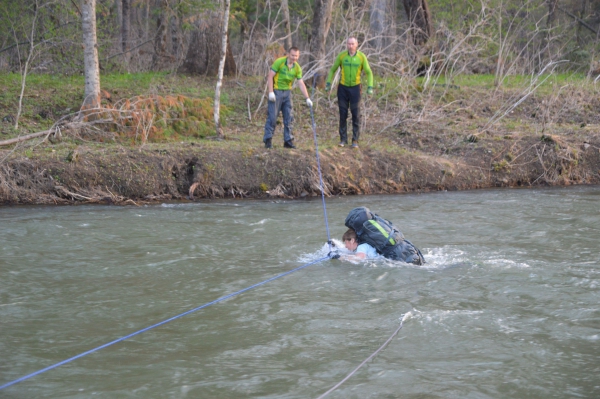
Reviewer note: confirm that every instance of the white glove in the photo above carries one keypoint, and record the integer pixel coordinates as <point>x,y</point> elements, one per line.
<point>272,97</point>
<point>309,102</point>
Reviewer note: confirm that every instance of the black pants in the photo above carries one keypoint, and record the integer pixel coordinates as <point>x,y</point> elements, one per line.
<point>349,97</point>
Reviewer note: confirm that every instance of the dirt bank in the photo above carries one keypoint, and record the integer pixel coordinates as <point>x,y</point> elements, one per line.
<point>427,162</point>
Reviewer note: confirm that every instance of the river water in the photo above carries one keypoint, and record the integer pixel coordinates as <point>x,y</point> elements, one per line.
<point>507,305</point>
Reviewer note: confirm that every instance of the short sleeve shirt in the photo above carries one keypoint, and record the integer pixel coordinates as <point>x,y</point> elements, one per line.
<point>284,77</point>
<point>367,250</point>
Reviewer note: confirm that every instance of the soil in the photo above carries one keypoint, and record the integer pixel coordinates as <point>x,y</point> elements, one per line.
<point>132,176</point>
<point>448,152</point>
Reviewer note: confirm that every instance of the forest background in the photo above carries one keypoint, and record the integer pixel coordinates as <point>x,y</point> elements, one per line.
<point>120,100</point>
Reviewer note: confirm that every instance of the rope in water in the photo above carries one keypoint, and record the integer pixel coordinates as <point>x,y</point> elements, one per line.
<point>364,362</point>
<point>159,324</point>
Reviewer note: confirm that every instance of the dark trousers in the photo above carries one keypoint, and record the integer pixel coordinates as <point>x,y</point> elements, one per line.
<point>349,97</point>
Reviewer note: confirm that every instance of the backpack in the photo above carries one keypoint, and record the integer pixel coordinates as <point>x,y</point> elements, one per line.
<point>383,236</point>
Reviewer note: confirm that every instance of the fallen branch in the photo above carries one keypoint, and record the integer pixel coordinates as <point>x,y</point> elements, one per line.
<point>26,137</point>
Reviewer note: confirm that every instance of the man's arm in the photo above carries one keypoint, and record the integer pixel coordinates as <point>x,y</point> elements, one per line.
<point>270,81</point>
<point>334,67</point>
<point>303,88</point>
<point>368,72</point>
<point>356,256</point>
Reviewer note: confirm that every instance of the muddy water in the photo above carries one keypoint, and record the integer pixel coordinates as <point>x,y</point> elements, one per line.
<point>506,307</point>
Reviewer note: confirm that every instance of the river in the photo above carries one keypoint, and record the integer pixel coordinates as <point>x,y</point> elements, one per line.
<point>507,305</point>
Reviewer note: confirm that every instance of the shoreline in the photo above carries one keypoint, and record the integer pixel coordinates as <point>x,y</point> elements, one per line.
<point>159,173</point>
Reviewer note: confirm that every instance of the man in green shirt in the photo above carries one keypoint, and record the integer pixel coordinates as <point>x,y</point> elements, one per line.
<point>352,62</point>
<point>283,73</point>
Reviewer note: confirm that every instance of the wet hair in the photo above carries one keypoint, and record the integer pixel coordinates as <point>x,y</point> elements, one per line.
<point>350,235</point>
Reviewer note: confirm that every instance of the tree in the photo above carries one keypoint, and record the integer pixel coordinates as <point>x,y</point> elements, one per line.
<point>286,22</point>
<point>125,26</point>
<point>25,68</point>
<point>378,22</point>
<point>161,58</point>
<point>216,107</point>
<point>204,51</point>
<point>90,55</point>
<point>419,18</point>
<point>320,26</point>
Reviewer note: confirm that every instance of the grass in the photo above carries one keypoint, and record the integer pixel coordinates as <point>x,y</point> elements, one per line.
<point>457,102</point>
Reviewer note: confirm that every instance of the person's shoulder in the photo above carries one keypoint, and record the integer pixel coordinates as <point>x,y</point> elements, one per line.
<point>361,54</point>
<point>277,63</point>
<point>367,249</point>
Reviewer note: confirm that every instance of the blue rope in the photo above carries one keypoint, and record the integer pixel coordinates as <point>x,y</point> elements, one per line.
<point>314,129</point>
<point>158,324</point>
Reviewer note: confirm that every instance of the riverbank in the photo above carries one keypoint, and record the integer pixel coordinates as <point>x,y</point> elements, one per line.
<point>445,137</point>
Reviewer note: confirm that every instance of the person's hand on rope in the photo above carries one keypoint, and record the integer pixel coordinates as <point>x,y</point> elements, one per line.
<point>309,102</point>
<point>272,97</point>
<point>327,86</point>
<point>370,90</point>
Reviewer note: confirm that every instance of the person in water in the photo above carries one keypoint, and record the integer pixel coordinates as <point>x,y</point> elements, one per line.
<point>360,251</point>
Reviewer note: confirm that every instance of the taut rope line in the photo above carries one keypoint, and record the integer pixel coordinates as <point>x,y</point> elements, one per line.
<point>8,384</point>
<point>322,187</point>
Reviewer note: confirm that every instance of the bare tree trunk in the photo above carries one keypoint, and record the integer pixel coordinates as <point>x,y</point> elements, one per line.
<point>175,37</point>
<point>90,55</point>
<point>125,28</point>
<point>287,24</point>
<point>545,50</point>
<point>119,12</point>
<point>216,107</point>
<point>26,66</point>
<point>204,51</point>
<point>320,28</point>
<point>147,20</point>
<point>160,58</point>
<point>581,13</point>
<point>419,17</point>
<point>378,22</point>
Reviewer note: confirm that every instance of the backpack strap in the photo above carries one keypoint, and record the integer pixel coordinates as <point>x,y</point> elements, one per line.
<point>382,231</point>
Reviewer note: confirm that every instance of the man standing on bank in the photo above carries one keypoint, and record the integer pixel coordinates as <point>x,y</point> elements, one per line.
<point>352,62</point>
<point>283,73</point>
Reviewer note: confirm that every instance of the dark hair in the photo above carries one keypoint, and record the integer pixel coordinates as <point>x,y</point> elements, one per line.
<point>293,48</point>
<point>349,235</point>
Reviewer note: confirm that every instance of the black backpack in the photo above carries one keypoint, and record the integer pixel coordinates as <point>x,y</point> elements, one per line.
<point>383,236</point>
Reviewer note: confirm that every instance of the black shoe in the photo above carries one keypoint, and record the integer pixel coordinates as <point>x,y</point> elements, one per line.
<point>268,143</point>
<point>288,144</point>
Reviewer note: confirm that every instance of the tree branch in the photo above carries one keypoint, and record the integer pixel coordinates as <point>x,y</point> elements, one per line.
<point>576,18</point>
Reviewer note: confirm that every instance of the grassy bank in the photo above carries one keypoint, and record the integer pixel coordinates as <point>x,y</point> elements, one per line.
<point>463,133</point>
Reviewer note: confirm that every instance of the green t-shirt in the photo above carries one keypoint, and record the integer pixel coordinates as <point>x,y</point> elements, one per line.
<point>352,66</point>
<point>284,77</point>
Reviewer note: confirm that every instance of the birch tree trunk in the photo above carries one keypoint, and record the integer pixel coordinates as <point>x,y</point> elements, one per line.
<point>320,27</point>
<point>90,55</point>
<point>287,24</point>
<point>26,66</point>
<point>216,107</point>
